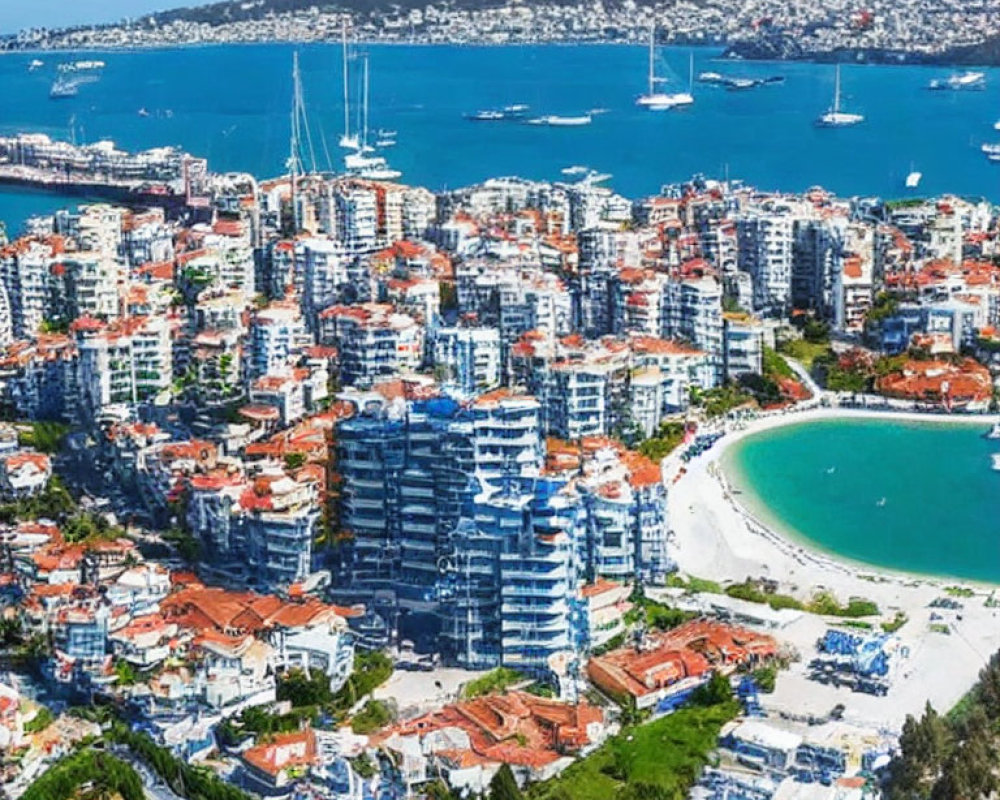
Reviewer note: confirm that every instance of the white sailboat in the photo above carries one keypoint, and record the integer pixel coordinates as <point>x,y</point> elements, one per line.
<point>359,163</point>
<point>835,118</point>
<point>654,100</point>
<point>348,140</point>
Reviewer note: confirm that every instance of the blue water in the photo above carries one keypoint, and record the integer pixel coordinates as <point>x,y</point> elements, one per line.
<point>231,104</point>
<point>941,508</point>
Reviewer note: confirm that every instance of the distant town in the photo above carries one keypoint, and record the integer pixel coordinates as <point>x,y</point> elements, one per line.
<point>913,31</point>
<point>330,487</point>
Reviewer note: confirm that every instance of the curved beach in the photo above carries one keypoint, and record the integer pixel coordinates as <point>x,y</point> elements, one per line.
<point>719,535</point>
<point>715,537</point>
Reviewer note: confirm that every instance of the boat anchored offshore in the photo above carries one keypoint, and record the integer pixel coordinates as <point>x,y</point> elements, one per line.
<point>960,81</point>
<point>63,88</point>
<point>512,112</point>
<point>360,163</point>
<point>835,118</point>
<point>654,100</point>
<point>996,461</point>
<point>557,121</point>
<point>913,179</point>
<point>993,432</point>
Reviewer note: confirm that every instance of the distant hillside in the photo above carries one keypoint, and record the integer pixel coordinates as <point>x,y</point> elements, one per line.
<point>243,10</point>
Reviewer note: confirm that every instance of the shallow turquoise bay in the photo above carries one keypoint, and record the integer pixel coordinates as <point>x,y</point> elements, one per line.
<point>825,481</point>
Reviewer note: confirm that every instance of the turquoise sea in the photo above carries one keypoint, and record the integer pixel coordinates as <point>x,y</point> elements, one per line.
<point>911,496</point>
<point>231,104</point>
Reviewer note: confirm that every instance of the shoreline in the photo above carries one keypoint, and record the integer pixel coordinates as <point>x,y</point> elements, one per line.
<point>725,55</point>
<point>748,526</point>
<point>715,537</point>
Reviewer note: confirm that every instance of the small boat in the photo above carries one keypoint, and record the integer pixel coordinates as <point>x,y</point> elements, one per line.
<point>994,157</point>
<point>996,125</point>
<point>996,461</point>
<point>595,111</point>
<point>574,170</point>
<point>383,143</point>
<point>913,179</point>
<point>143,112</point>
<point>831,470</point>
<point>557,121</point>
<point>990,148</point>
<point>993,432</point>
<point>710,77</point>
<point>62,89</point>
<point>960,81</point>
<point>741,84</point>
<point>487,115</point>
<point>82,66</point>
<point>382,133</point>
<point>35,65</point>
<point>515,111</point>
<point>385,173</point>
<point>835,118</point>
<point>512,112</point>
<point>881,502</point>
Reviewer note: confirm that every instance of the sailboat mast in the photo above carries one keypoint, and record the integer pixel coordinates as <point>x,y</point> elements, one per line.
<point>347,95</point>
<point>691,72</point>
<point>293,156</point>
<point>836,91</point>
<point>652,40</point>
<point>364,130</point>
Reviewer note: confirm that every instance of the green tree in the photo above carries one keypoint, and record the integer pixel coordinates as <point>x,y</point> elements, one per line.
<point>504,786</point>
<point>716,692</point>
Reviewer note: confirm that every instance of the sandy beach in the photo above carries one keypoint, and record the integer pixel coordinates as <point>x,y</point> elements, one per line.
<point>716,538</point>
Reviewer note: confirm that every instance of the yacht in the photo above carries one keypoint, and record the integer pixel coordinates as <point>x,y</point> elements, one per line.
<point>556,121</point>
<point>348,140</point>
<point>654,100</point>
<point>385,173</point>
<point>996,461</point>
<point>576,169</point>
<point>960,81</point>
<point>487,115</point>
<point>990,149</point>
<point>996,125</point>
<point>63,88</point>
<point>360,163</point>
<point>82,66</point>
<point>35,65</point>
<point>515,111</point>
<point>993,432</point>
<point>913,179</point>
<point>512,112</point>
<point>835,118</point>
